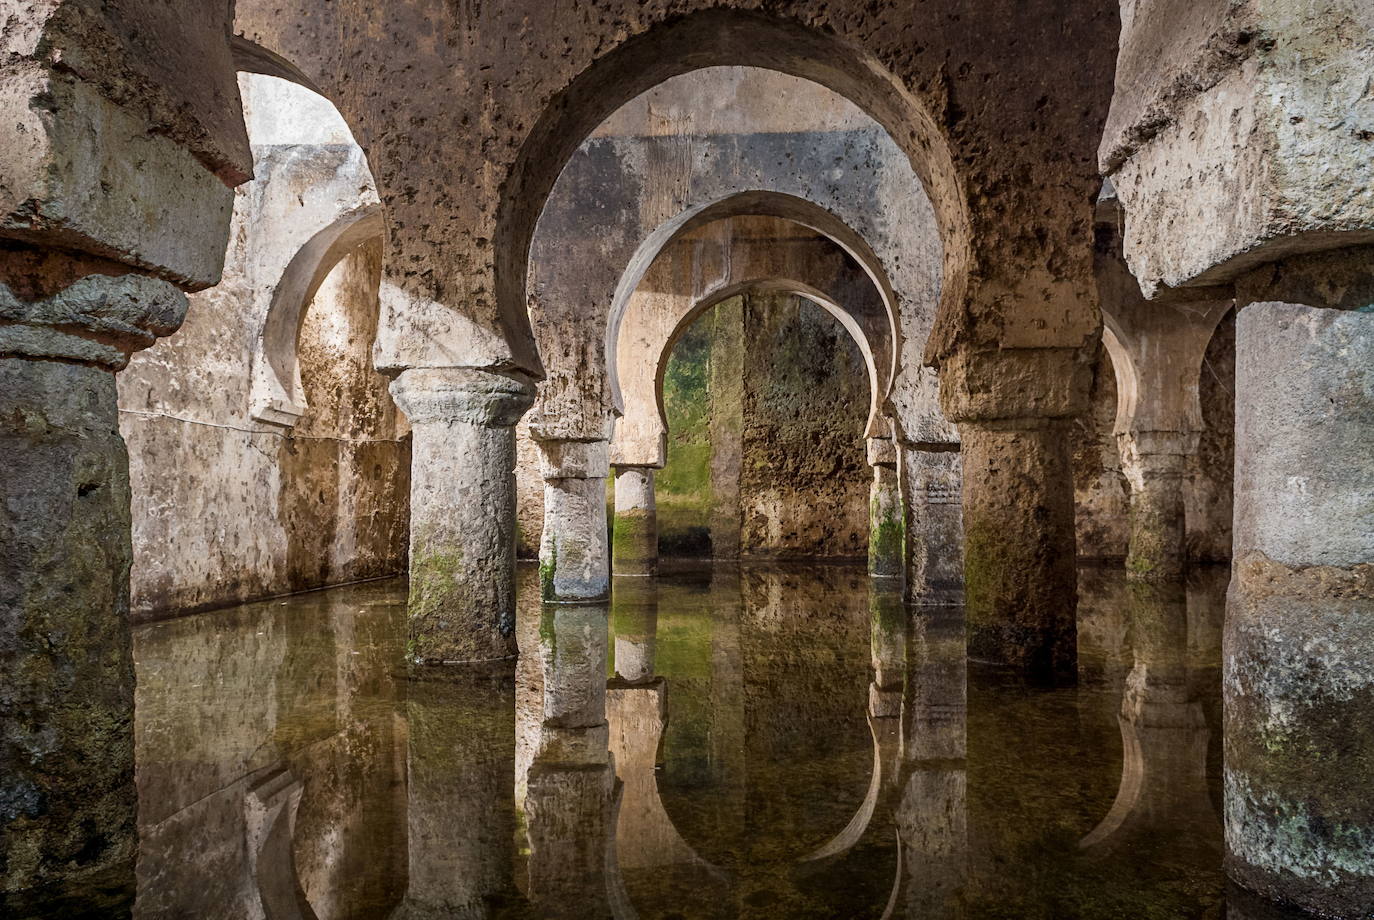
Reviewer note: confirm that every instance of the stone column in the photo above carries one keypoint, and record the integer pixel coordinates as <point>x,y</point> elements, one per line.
<point>66,651</point>
<point>1014,410</point>
<point>1298,671</point>
<point>635,539</point>
<point>574,565</point>
<point>462,510</point>
<point>1155,464</point>
<point>886,518</point>
<point>933,485</point>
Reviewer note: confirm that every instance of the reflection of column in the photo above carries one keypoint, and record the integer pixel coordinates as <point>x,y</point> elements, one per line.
<point>635,539</point>
<point>634,618</point>
<point>726,737</point>
<point>67,745</point>
<point>572,793</point>
<point>886,519</point>
<point>460,804</point>
<point>462,510</point>
<point>1163,791</point>
<point>1299,665</point>
<point>932,814</point>
<point>935,525</point>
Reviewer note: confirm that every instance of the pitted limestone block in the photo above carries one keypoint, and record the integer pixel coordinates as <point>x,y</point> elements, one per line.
<point>881,451</point>
<point>98,319</point>
<point>1013,383</point>
<point>1262,104</point>
<point>1304,417</point>
<point>574,459</point>
<point>83,173</point>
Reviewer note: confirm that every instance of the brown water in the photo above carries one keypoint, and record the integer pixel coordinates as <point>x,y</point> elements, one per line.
<point>757,742</point>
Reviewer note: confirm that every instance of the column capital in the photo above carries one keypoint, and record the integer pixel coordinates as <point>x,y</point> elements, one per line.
<point>559,459</point>
<point>462,394</point>
<point>97,319</point>
<point>882,452</point>
<point>992,384</point>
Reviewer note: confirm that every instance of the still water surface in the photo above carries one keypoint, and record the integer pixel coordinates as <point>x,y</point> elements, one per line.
<point>761,742</point>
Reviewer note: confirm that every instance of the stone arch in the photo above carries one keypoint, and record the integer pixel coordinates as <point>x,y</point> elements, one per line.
<point>1124,369</point>
<point>710,38</point>
<point>277,397</point>
<point>316,202</point>
<point>857,295</point>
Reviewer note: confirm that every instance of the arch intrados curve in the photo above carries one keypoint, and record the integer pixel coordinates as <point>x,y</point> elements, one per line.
<point>1124,369</point>
<point>712,38</point>
<point>301,281</point>
<point>770,286</point>
<point>756,203</point>
<point>250,57</point>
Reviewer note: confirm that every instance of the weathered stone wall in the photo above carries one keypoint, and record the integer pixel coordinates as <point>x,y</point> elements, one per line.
<point>252,511</point>
<point>804,477</point>
<point>766,398</point>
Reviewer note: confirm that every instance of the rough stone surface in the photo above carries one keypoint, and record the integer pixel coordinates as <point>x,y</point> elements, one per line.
<point>766,400</point>
<point>1298,680</point>
<point>1000,124</point>
<point>1240,132</point>
<point>65,817</point>
<point>1019,578</point>
<point>255,509</point>
<point>99,103</point>
<point>462,511</point>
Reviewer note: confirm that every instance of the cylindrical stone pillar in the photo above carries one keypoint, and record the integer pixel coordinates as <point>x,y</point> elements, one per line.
<point>68,803</point>
<point>933,483</point>
<point>462,510</point>
<point>1298,678</point>
<point>1154,463</point>
<point>635,536</point>
<point>886,517</point>
<point>574,566</point>
<point>1020,583</point>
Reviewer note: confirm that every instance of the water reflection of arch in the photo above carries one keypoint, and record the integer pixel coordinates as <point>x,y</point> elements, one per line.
<point>637,715</point>
<point>1164,731</point>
